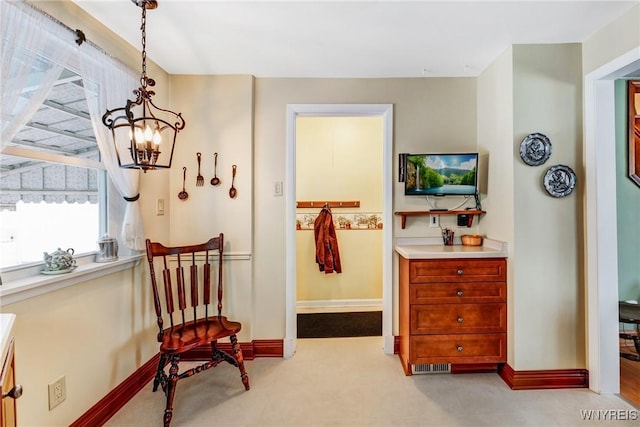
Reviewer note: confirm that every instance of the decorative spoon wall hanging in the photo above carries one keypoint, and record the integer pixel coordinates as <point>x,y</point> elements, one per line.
<point>232,190</point>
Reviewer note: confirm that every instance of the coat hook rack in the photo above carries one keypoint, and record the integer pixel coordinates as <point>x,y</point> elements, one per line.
<point>331,204</point>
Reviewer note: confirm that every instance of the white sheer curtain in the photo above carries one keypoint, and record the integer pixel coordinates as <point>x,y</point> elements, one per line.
<point>107,85</point>
<point>34,51</point>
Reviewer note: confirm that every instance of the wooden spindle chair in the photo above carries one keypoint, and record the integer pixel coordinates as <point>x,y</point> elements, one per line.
<point>189,308</point>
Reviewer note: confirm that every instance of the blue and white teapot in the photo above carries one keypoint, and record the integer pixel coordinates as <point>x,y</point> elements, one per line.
<point>59,260</point>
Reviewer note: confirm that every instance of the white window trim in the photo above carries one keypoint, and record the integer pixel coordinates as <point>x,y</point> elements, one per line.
<point>53,158</point>
<point>23,283</point>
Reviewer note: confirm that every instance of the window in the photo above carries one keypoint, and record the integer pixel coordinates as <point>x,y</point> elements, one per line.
<point>53,176</point>
<point>52,183</point>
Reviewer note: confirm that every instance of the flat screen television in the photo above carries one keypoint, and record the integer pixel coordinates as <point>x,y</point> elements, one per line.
<point>447,174</point>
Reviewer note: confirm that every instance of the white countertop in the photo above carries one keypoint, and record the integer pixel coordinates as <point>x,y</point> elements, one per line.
<point>432,247</point>
<point>6,333</point>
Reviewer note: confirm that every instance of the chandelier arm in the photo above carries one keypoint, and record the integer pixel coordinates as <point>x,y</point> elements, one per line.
<point>179,125</point>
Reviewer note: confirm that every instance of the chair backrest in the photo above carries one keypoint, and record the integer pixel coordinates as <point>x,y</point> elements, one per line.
<point>186,301</point>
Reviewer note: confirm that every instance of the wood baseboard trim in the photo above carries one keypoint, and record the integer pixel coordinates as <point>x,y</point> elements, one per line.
<point>396,345</point>
<point>100,413</point>
<point>471,368</point>
<point>548,379</point>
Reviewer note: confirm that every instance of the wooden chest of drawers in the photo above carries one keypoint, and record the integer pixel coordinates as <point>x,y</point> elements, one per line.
<point>453,311</point>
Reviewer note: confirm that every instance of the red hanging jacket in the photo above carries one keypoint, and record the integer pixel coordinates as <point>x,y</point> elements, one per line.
<point>327,254</point>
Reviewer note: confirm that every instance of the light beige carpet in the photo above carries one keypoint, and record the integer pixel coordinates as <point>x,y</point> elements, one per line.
<point>351,382</point>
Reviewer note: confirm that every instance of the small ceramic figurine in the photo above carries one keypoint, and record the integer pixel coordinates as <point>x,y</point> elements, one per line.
<point>59,260</point>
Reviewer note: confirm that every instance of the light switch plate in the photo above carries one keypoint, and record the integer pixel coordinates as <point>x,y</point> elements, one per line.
<point>277,188</point>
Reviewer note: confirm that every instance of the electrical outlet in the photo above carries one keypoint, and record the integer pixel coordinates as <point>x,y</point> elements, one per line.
<point>434,220</point>
<point>57,392</point>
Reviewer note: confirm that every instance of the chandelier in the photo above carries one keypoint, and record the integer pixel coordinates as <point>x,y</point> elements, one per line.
<point>146,131</point>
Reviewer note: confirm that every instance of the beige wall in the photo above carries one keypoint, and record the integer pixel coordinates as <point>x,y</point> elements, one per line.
<point>495,145</point>
<point>527,89</point>
<point>95,334</point>
<point>548,288</point>
<point>340,159</point>
<point>614,40</point>
<point>218,112</point>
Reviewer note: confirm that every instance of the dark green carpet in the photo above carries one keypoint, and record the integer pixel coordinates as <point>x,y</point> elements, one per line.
<point>332,325</point>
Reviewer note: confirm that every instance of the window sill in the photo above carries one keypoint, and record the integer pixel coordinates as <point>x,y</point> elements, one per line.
<point>34,285</point>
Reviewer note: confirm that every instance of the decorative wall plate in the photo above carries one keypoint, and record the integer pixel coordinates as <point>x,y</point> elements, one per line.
<point>559,181</point>
<point>535,149</point>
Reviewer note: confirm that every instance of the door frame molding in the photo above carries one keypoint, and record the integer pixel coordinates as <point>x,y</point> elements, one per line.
<point>338,110</point>
<point>600,202</point>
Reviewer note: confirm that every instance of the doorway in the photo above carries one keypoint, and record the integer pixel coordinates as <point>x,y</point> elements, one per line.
<point>601,248</point>
<point>339,162</point>
<point>385,111</point>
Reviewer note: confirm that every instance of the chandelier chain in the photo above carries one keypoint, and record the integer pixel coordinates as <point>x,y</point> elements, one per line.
<point>143,28</point>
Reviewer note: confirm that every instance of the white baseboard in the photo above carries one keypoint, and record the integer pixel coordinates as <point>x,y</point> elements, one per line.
<point>337,306</point>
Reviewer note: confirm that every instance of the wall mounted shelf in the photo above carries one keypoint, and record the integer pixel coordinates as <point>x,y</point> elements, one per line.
<point>471,212</point>
<point>330,204</point>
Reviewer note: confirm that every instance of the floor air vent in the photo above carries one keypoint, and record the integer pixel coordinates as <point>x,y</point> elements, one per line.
<point>431,368</point>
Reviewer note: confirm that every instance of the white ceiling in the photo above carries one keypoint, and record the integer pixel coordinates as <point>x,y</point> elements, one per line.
<point>347,39</point>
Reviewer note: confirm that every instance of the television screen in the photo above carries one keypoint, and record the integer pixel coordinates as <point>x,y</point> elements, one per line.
<point>441,174</point>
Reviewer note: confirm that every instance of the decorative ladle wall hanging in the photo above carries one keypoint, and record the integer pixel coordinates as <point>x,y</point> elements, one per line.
<point>215,180</point>
<point>183,195</point>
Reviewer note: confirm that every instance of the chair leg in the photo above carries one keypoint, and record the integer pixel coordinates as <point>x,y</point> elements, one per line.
<point>237,354</point>
<point>157,380</point>
<point>213,349</point>
<point>171,388</point>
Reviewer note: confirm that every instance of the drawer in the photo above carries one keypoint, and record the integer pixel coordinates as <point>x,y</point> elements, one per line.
<point>458,318</point>
<point>458,270</point>
<point>472,348</point>
<point>448,293</point>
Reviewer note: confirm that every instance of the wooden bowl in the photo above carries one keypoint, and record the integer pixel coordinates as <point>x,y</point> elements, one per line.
<point>471,240</point>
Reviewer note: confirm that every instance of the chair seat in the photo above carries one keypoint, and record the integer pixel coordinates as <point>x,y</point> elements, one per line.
<point>193,334</point>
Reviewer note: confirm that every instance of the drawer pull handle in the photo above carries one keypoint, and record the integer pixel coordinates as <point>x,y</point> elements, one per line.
<point>460,319</point>
<point>460,272</point>
<point>459,293</point>
<point>14,393</point>
<point>460,348</point>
